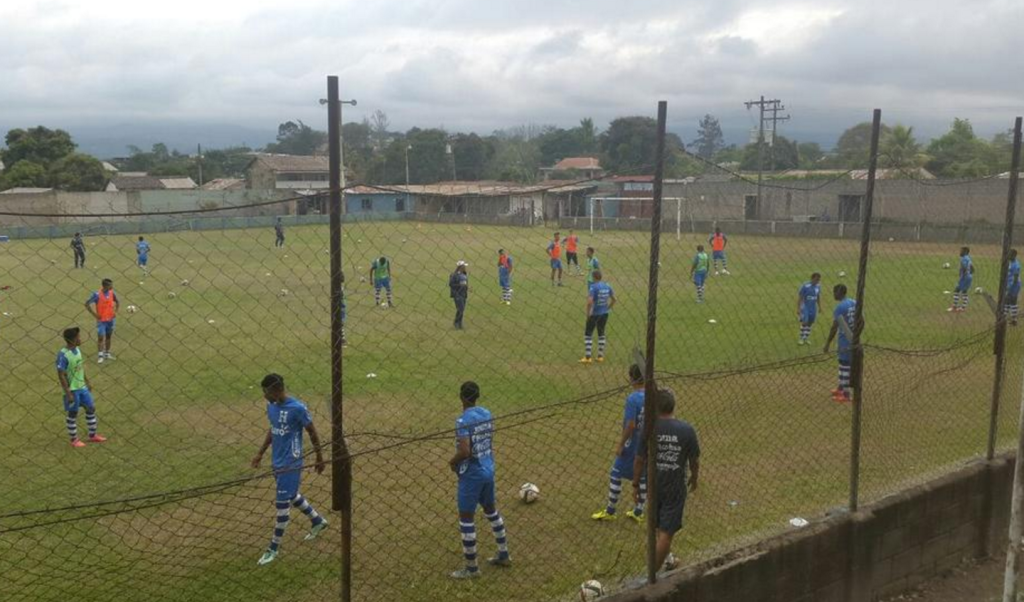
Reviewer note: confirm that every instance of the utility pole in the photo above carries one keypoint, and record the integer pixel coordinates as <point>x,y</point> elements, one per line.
<point>773,106</point>
<point>199,162</point>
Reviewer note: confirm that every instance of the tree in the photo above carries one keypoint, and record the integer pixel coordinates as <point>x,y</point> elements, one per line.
<point>809,155</point>
<point>516,155</point>
<point>557,144</point>
<point>587,136</point>
<point>78,172</point>
<point>472,155</point>
<point>379,124</point>
<point>960,154</point>
<point>630,144</point>
<point>854,146</point>
<point>783,150</point>
<point>297,139</point>
<point>40,145</point>
<point>900,149</point>
<point>709,138</point>
<point>25,173</point>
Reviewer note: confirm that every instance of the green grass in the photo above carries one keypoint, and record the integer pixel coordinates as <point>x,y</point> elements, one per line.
<point>182,407</point>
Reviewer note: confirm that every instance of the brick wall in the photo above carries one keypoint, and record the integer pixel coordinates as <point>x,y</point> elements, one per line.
<point>885,549</point>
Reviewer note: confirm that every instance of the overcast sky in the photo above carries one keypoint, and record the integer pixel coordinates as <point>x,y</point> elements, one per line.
<point>485,64</point>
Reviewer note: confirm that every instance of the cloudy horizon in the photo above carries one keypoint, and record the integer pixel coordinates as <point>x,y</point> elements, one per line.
<point>466,66</point>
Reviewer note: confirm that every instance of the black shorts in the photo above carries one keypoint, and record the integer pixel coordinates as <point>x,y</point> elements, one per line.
<point>571,258</point>
<point>599,322</point>
<point>670,515</point>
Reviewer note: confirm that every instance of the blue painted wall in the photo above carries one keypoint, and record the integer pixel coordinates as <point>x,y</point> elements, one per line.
<point>377,203</point>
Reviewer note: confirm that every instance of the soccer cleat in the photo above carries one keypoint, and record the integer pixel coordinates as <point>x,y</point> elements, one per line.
<point>600,359</point>
<point>559,283</point>
<point>603,515</point>
<point>97,438</point>
<point>76,442</point>
<point>110,356</point>
<point>639,518</point>
<point>671,562</point>
<point>716,272</point>
<point>268,557</point>
<point>801,342</point>
<point>100,360</point>
<point>840,396</point>
<point>465,574</point>
<point>500,561</point>
<point>726,272</point>
<point>951,309</point>
<point>315,530</point>
<point>586,360</point>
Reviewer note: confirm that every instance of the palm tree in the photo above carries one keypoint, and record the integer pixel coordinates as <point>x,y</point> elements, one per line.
<point>900,149</point>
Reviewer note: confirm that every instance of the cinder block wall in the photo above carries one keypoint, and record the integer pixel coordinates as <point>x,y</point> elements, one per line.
<point>887,548</point>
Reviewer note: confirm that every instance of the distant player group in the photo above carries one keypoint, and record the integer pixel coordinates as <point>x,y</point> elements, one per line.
<point>473,462</point>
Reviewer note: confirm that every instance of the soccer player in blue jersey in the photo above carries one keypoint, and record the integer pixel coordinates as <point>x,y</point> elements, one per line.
<point>142,253</point>
<point>77,388</point>
<point>808,304</point>
<point>845,311</point>
<point>600,301</point>
<point>1010,307</point>
<point>288,417</point>
<point>505,268</point>
<point>473,462</point>
<point>699,271</point>
<point>962,292</point>
<point>625,452</point>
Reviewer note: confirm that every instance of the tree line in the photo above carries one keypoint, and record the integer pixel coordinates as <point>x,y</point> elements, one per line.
<point>375,154</point>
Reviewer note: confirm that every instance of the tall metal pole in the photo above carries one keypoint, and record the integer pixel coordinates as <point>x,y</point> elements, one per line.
<point>760,158</point>
<point>1013,550</point>
<point>341,466</point>
<point>650,411</point>
<point>858,323</point>
<point>1000,338</point>
<point>407,206</point>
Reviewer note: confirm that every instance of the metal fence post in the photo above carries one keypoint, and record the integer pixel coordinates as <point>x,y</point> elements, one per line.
<point>650,411</point>
<point>341,467</point>
<point>858,323</point>
<point>1013,549</point>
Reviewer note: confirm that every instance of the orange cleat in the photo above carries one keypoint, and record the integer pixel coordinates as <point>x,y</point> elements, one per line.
<point>97,438</point>
<point>77,443</point>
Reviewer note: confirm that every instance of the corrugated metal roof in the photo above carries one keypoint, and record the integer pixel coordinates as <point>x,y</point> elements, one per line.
<point>25,190</point>
<point>578,163</point>
<point>471,189</point>
<point>293,163</point>
<point>224,184</point>
<point>178,183</point>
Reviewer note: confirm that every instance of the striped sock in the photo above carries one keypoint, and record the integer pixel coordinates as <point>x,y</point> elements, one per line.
<point>498,527</point>
<point>844,377</point>
<point>72,424</point>
<point>282,522</point>
<point>469,545</point>
<point>614,491</point>
<point>389,296</point>
<point>376,296</point>
<point>700,293</point>
<point>805,333</point>
<point>588,345</point>
<point>302,504</point>
<point>639,508</point>
<point>1013,312</point>
<point>600,345</point>
<point>956,300</point>
<point>965,300</point>
<point>91,422</point>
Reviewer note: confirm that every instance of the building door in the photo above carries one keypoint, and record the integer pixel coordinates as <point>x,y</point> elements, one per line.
<point>750,207</point>
<point>850,207</point>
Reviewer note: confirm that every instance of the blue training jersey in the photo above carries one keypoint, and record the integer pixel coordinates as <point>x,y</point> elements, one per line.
<point>965,266</point>
<point>809,294</point>
<point>287,421</point>
<point>601,293</point>
<point>845,310</point>
<point>1013,275</point>
<point>475,424</point>
<point>634,413</point>
<point>142,247</point>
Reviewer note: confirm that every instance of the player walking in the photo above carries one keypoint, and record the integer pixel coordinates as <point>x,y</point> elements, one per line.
<point>77,388</point>
<point>78,247</point>
<point>592,265</point>
<point>962,292</point>
<point>473,462</point>
<point>1010,307</point>
<point>380,273</point>
<point>845,311</point>
<point>699,271</point>
<point>142,254</point>
<point>600,302</point>
<point>505,276</point>
<point>105,312</point>
<point>572,243</point>
<point>278,233</point>
<point>718,241</point>
<point>288,417</point>
<point>555,254</point>
<point>808,304</point>
<point>458,285</point>
<point>676,447</point>
<point>625,452</point>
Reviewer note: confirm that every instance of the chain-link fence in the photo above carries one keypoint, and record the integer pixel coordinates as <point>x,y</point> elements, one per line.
<point>169,507</point>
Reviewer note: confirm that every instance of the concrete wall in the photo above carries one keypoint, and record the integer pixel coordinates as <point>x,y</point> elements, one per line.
<point>379,203</point>
<point>885,549</point>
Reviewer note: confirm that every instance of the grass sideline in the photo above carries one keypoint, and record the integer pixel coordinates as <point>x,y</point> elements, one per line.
<point>182,406</point>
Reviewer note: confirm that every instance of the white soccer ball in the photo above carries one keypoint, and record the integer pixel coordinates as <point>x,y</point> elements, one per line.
<point>132,309</point>
<point>712,321</point>
<point>591,590</point>
<point>842,274</point>
<point>529,493</point>
<point>362,279</point>
<point>384,304</point>
<point>284,292</point>
<point>979,290</point>
<point>891,239</point>
<point>184,283</point>
<point>945,266</point>
<point>171,295</point>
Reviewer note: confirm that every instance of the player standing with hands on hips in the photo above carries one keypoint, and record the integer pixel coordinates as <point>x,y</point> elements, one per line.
<point>288,417</point>
<point>105,313</point>
<point>718,241</point>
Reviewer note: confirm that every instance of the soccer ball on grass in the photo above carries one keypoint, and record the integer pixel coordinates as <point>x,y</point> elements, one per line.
<point>132,309</point>
<point>529,493</point>
<point>591,590</point>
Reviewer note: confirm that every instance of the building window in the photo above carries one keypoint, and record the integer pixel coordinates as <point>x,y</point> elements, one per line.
<point>367,204</point>
<point>400,205</point>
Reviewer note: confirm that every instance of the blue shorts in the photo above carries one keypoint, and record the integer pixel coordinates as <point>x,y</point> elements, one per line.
<point>808,317</point>
<point>699,278</point>
<point>380,283</point>
<point>474,490</point>
<point>288,484</point>
<point>623,466</point>
<point>80,398</point>
<point>344,313</point>
<point>556,264</point>
<point>718,255</point>
<point>964,286</point>
<point>505,281</point>
<point>845,356</point>
<point>105,328</point>
<point>1011,295</point>
<point>143,259</point>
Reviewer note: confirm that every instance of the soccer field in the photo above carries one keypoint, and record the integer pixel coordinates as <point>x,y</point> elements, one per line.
<point>182,407</point>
